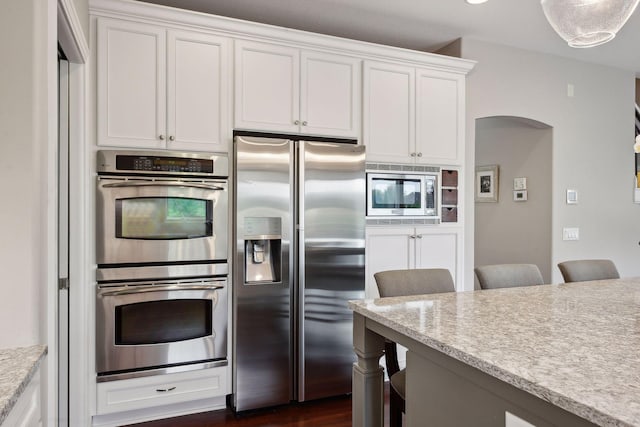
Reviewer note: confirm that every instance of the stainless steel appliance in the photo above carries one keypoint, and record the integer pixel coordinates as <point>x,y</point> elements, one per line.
<point>299,256</point>
<point>162,294</point>
<point>161,207</point>
<point>152,326</point>
<point>403,190</point>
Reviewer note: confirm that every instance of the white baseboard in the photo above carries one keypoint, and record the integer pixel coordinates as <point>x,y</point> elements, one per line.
<point>167,411</point>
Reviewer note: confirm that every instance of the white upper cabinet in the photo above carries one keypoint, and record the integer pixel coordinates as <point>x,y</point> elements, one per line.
<point>267,82</point>
<point>412,114</point>
<point>389,111</point>
<point>330,95</point>
<point>131,84</point>
<point>283,89</point>
<point>439,115</point>
<point>159,88</point>
<point>198,91</point>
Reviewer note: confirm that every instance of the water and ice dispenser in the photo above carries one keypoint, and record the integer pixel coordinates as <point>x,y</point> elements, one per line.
<point>262,250</point>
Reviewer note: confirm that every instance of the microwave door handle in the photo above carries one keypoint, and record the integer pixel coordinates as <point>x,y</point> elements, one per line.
<point>128,290</point>
<point>162,184</point>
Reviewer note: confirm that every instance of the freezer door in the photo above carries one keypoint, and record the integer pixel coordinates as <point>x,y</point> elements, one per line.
<point>331,258</point>
<point>261,285</point>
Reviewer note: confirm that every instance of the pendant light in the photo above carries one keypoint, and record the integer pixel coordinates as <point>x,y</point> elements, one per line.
<point>587,23</point>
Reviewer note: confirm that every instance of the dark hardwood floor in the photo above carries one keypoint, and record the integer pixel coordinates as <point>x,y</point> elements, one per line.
<point>333,412</point>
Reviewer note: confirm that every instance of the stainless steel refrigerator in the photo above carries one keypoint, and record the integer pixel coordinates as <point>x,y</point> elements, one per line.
<point>299,257</point>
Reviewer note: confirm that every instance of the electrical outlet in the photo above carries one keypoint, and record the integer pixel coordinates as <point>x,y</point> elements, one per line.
<point>572,233</point>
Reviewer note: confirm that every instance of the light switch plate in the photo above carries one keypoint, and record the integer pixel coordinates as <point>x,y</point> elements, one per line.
<point>572,197</point>
<point>520,183</point>
<point>571,233</point>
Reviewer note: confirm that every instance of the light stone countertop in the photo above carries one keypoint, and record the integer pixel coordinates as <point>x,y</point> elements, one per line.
<point>575,345</point>
<point>17,367</point>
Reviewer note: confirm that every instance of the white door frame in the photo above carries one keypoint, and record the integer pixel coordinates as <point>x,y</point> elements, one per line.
<point>71,38</point>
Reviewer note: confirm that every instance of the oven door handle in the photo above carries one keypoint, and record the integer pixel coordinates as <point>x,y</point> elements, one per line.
<point>162,184</point>
<point>128,290</point>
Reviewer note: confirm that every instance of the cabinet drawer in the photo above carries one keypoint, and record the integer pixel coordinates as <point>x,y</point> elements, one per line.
<point>449,196</point>
<point>449,178</point>
<point>449,214</point>
<point>146,392</point>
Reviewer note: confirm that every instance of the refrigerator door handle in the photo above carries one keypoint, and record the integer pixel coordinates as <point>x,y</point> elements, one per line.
<point>300,290</point>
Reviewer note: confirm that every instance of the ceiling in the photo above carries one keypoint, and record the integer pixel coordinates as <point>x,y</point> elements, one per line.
<point>427,24</point>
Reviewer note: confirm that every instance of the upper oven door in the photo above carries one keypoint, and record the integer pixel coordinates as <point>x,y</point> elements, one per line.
<point>160,220</point>
<point>395,194</point>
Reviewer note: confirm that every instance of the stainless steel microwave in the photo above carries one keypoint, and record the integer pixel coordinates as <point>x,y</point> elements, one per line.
<point>403,193</point>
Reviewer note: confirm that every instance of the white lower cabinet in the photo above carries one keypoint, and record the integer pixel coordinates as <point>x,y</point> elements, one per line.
<point>153,391</point>
<point>27,411</point>
<point>406,247</point>
<point>511,420</point>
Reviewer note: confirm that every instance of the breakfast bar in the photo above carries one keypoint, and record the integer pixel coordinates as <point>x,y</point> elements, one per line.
<point>550,355</point>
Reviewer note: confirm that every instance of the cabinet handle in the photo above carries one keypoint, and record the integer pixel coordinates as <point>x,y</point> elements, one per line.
<point>161,137</point>
<point>296,122</point>
<point>412,237</point>
<point>304,123</point>
<point>419,236</point>
<point>419,154</point>
<point>413,154</point>
<point>172,138</point>
<point>164,390</point>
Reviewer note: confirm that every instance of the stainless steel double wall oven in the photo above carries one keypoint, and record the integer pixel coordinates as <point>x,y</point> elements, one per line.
<point>161,233</point>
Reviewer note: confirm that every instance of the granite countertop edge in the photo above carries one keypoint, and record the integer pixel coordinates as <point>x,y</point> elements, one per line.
<point>30,358</point>
<point>538,390</point>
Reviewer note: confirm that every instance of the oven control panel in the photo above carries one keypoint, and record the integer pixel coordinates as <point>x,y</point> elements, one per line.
<point>152,163</point>
<point>127,163</point>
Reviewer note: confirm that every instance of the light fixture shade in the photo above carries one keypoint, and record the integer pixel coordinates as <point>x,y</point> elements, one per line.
<point>588,23</point>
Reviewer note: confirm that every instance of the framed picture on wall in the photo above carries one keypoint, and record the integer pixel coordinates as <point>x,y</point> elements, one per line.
<point>487,183</point>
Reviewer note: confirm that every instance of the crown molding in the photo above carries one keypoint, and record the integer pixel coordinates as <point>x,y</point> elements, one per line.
<point>239,29</point>
<point>70,34</point>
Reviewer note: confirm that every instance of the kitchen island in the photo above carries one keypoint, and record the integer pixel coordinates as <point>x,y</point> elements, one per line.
<point>563,355</point>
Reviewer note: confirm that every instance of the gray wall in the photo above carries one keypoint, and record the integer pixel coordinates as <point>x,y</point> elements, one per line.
<point>509,231</point>
<point>592,146</point>
<point>23,166</point>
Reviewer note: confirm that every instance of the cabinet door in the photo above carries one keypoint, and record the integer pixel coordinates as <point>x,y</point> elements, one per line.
<point>330,95</point>
<point>439,117</point>
<point>267,87</point>
<point>388,248</point>
<point>197,91</point>
<point>388,112</point>
<point>440,248</point>
<point>27,410</point>
<point>131,84</point>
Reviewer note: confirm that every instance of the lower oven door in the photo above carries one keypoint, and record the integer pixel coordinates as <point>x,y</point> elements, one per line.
<point>159,325</point>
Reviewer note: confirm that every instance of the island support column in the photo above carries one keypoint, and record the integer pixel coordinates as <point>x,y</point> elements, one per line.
<point>368,378</point>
